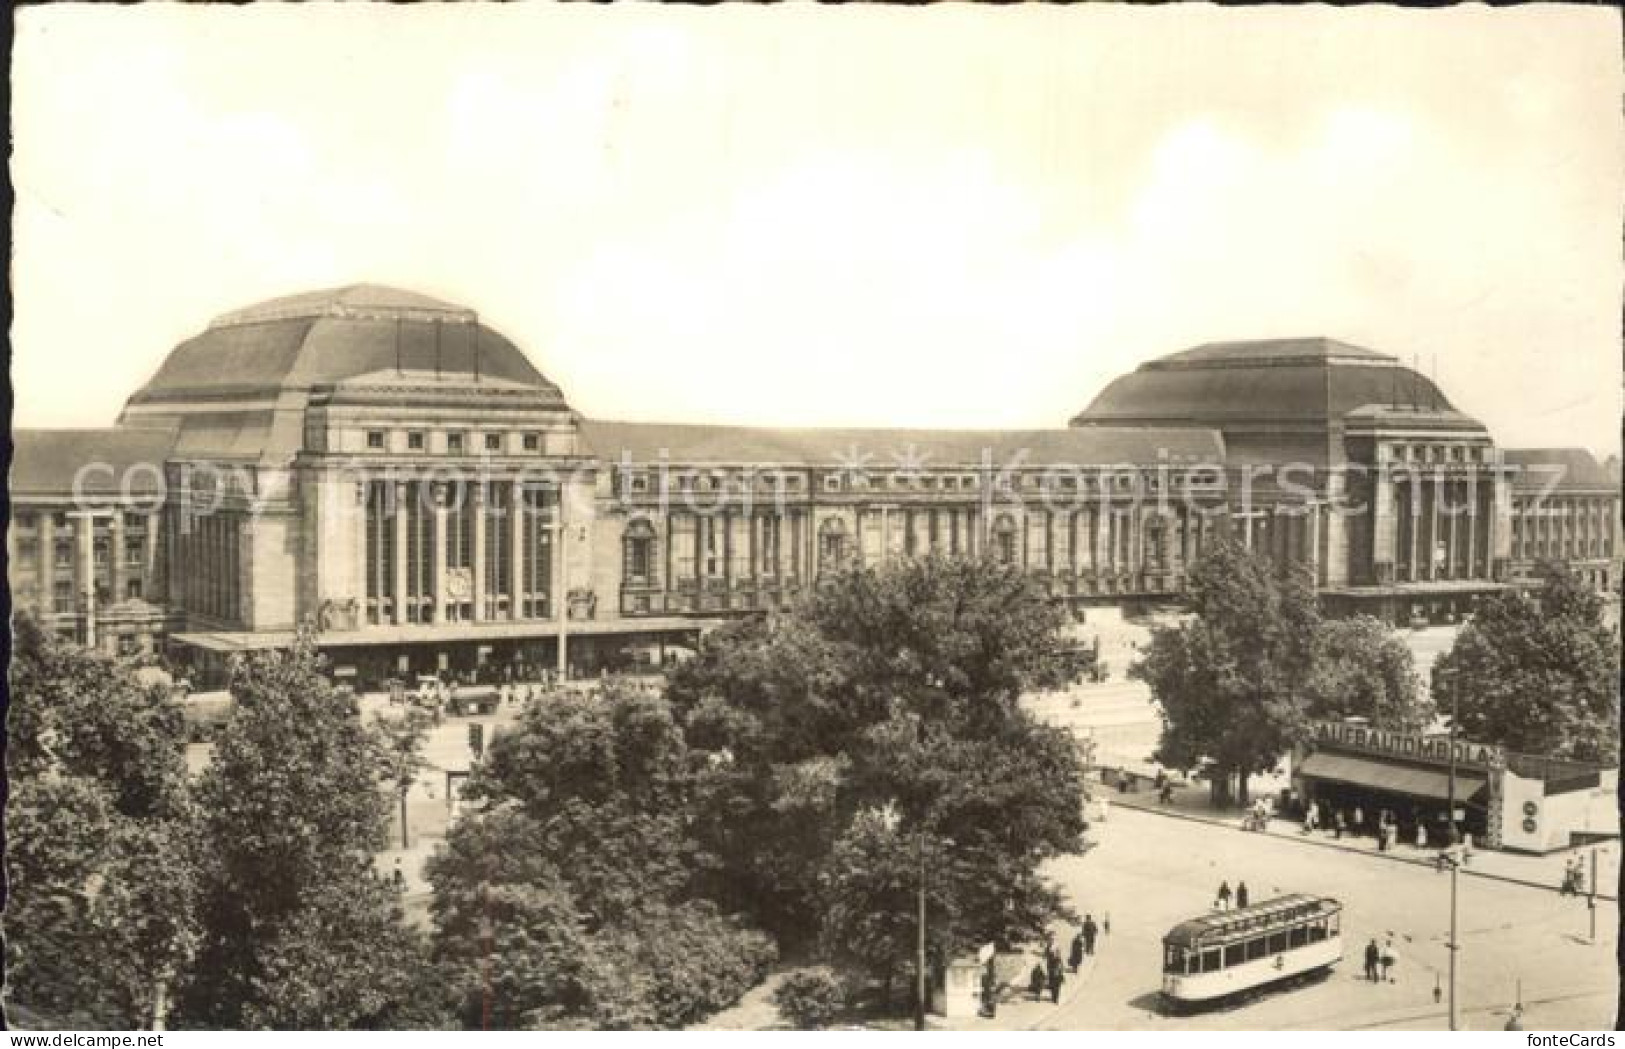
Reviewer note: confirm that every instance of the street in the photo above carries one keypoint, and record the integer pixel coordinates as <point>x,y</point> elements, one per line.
<point>1149,871</point>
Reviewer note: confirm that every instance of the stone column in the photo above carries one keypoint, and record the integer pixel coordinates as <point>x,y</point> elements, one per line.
<point>359,533</point>
<point>402,508</point>
<point>47,561</point>
<point>84,572</point>
<point>1472,526</point>
<point>477,498</point>
<point>1315,511</point>
<point>516,549</point>
<point>115,554</point>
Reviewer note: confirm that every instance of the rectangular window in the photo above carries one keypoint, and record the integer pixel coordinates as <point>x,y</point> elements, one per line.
<point>1210,961</point>
<point>134,552</point>
<point>62,593</point>
<point>1234,955</point>
<point>454,444</point>
<point>1277,942</point>
<point>132,589</point>
<point>1255,949</point>
<point>59,519</point>
<point>375,440</point>
<point>533,442</point>
<point>414,440</point>
<point>493,442</point>
<point>25,521</point>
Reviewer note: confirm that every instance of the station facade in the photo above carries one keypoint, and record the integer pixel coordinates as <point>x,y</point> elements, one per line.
<point>390,471</point>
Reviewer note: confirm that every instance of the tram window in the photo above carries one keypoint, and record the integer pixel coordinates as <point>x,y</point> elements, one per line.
<point>1332,921</point>
<point>1255,948</point>
<point>1317,931</point>
<point>1297,936</point>
<point>1210,961</point>
<point>1277,942</point>
<point>1235,954</point>
<point>1173,960</point>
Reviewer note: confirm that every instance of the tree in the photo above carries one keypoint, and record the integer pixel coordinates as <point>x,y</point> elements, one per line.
<point>1537,673</point>
<point>1364,669</point>
<point>101,870</point>
<point>570,895</point>
<point>1229,681</point>
<point>292,814</point>
<point>889,688</point>
<point>810,998</point>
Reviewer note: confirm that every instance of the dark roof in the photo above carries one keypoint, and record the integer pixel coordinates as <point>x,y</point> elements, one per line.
<point>46,462</point>
<point>1298,380</point>
<point>328,336</point>
<point>1569,468</point>
<point>1223,926</point>
<point>880,449</point>
<point>1314,348</point>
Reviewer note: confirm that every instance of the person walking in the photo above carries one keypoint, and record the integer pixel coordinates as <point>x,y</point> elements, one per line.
<point>1090,930</point>
<point>1421,835</point>
<point>1340,823</point>
<point>1359,821</point>
<point>1075,957</point>
<point>1057,976</point>
<point>1035,982</point>
<point>1241,895</point>
<point>1373,958</point>
<point>1223,901</point>
<point>1390,961</point>
<point>990,991</point>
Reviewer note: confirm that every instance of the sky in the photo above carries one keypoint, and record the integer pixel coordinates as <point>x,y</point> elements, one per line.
<point>946,216</point>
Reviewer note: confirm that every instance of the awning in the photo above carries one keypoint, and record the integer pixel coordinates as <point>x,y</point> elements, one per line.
<point>1390,777</point>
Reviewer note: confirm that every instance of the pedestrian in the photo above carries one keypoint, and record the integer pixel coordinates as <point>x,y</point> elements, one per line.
<point>1390,961</point>
<point>1421,835</point>
<point>1075,957</point>
<point>1090,930</point>
<point>1223,901</point>
<point>1340,824</point>
<point>1373,957</point>
<point>1057,976</point>
<point>1241,895</point>
<point>1035,982</point>
<point>990,991</point>
<point>399,876</point>
<point>1359,820</point>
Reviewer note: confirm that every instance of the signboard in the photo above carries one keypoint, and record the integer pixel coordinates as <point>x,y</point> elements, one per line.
<point>1403,744</point>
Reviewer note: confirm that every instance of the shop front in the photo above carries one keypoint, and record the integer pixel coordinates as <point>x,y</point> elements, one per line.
<point>1503,800</point>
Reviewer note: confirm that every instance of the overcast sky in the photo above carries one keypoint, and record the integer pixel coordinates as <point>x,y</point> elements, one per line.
<point>950,216</point>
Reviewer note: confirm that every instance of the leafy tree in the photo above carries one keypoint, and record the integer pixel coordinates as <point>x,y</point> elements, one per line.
<point>1537,673</point>
<point>100,879</point>
<point>1230,680</point>
<point>83,713</point>
<point>569,895</point>
<point>810,998</point>
<point>896,686</point>
<point>292,815</point>
<point>1364,669</point>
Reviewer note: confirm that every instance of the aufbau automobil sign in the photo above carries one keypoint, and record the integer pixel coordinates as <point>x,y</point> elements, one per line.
<point>1403,744</point>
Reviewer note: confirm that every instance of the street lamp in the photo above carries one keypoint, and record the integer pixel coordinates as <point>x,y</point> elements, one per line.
<point>1455,857</point>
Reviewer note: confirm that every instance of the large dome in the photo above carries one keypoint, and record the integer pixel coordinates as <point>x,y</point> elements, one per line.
<point>1275,380</point>
<point>322,337</point>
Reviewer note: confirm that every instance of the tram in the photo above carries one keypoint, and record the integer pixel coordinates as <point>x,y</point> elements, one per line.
<point>1225,955</point>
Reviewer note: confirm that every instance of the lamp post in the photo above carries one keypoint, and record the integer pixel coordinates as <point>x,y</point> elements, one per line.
<point>1455,860</point>
<point>920,990</point>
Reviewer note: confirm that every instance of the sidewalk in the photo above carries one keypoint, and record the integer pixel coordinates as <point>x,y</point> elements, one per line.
<point>1017,1009</point>
<point>1540,872</point>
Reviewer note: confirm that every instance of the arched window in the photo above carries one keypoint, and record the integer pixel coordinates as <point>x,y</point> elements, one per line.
<point>831,544</point>
<point>638,550</point>
<point>1004,540</point>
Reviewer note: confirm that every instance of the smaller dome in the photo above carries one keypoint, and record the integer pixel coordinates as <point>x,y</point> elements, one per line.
<point>297,342</point>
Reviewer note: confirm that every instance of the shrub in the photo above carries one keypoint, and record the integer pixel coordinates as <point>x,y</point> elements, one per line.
<point>810,998</point>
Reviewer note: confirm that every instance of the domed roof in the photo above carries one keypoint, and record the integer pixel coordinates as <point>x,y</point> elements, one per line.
<point>1274,380</point>
<point>300,341</point>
